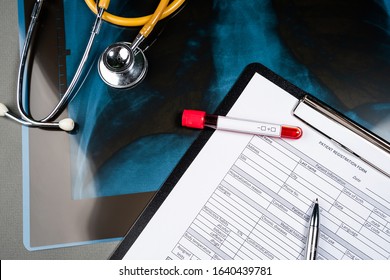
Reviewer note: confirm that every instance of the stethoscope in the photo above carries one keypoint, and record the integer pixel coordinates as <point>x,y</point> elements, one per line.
<point>122,65</point>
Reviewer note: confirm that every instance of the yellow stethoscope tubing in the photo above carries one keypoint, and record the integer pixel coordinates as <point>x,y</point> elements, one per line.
<point>148,27</point>
<point>132,22</point>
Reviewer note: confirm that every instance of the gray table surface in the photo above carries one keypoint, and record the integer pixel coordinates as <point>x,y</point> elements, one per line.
<point>11,208</point>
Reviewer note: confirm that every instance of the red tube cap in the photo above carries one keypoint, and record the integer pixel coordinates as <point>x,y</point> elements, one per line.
<point>292,132</point>
<point>193,118</point>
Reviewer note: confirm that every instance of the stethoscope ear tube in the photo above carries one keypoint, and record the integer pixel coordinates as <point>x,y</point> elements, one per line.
<point>65,124</point>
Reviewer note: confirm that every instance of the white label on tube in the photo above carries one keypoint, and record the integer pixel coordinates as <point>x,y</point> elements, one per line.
<point>251,127</point>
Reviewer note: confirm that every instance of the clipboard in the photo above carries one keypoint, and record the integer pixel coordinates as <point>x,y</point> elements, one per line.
<point>307,105</point>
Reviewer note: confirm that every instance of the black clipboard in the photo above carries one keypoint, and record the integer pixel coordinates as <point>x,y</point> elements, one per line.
<point>232,96</point>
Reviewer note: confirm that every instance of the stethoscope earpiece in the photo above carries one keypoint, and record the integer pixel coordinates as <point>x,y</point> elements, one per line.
<point>121,66</point>
<point>3,110</point>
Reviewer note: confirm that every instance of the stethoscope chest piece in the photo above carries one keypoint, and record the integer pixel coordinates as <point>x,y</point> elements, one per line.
<point>122,67</point>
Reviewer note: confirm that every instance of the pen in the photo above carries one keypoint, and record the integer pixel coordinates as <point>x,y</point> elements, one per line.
<point>312,237</point>
<point>199,119</point>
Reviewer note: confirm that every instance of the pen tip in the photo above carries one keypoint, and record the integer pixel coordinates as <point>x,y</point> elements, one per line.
<point>316,199</point>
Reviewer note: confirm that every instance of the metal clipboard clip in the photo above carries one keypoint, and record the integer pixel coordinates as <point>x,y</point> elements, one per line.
<point>351,137</point>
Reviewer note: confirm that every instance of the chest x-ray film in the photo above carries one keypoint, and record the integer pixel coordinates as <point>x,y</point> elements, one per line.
<point>92,184</point>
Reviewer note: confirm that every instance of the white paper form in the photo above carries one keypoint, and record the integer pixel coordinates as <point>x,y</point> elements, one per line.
<point>250,197</point>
